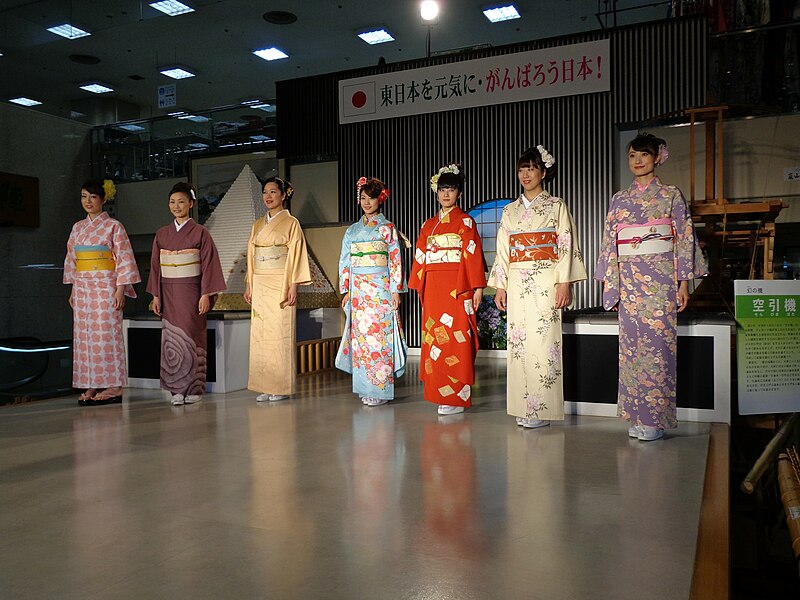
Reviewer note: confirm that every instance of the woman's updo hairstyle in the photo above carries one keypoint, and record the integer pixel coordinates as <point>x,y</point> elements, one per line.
<point>373,188</point>
<point>283,185</point>
<point>184,188</point>
<point>94,187</point>
<point>532,157</point>
<point>647,142</point>
<point>453,180</point>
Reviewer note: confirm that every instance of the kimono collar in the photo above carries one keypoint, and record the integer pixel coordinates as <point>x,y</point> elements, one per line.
<point>540,197</point>
<point>282,211</point>
<point>637,187</point>
<point>372,221</point>
<point>99,218</point>
<point>179,226</point>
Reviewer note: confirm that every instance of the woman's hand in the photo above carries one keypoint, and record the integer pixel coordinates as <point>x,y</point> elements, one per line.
<point>204,305</point>
<point>345,300</point>
<point>563,295</point>
<point>500,299</point>
<point>248,294</point>
<point>119,297</point>
<point>477,296</point>
<point>291,295</point>
<point>683,295</point>
<point>395,300</point>
<point>157,305</point>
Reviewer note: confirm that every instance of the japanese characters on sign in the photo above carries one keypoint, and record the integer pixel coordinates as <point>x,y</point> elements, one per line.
<point>560,71</point>
<point>768,346</point>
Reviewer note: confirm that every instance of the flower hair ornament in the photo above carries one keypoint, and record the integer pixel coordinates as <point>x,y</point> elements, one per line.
<point>382,197</point>
<point>447,169</point>
<point>110,189</point>
<point>362,181</point>
<point>663,154</point>
<point>547,158</point>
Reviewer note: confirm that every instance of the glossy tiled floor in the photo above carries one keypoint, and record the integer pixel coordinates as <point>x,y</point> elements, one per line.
<point>320,497</point>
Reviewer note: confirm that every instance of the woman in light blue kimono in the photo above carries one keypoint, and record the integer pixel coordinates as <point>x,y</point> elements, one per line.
<point>371,279</point>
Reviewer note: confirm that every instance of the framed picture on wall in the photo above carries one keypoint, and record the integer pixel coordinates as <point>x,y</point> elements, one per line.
<point>213,175</point>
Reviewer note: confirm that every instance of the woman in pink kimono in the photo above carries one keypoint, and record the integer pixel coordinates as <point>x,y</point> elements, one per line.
<point>648,255</point>
<point>185,278</point>
<point>101,268</point>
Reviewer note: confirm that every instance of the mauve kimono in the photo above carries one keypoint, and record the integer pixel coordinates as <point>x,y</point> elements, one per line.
<point>99,258</point>
<point>184,266</point>
<point>648,246</point>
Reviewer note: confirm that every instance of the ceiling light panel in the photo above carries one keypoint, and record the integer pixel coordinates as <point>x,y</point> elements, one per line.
<point>270,54</point>
<point>22,101</point>
<point>68,31</point>
<point>376,36</point>
<point>177,73</point>
<point>172,8</point>
<point>501,13</point>
<point>97,88</point>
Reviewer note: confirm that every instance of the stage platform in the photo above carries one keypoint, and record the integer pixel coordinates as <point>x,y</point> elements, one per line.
<point>321,497</point>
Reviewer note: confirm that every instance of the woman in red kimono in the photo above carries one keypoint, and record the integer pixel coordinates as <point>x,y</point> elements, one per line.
<point>449,274</point>
<point>101,268</point>
<point>185,277</point>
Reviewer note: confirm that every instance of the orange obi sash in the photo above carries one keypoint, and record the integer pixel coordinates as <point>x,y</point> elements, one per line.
<point>94,258</point>
<point>653,237</point>
<point>540,244</point>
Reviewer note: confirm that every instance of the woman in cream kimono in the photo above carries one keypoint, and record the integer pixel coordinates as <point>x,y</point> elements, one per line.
<point>537,262</point>
<point>277,262</point>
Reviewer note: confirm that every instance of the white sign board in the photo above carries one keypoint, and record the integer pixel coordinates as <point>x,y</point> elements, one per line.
<point>167,96</point>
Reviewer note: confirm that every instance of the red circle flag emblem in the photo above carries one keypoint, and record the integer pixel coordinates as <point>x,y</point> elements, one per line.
<point>359,99</point>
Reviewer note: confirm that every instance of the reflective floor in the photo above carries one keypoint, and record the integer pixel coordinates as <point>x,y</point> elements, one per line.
<point>321,497</point>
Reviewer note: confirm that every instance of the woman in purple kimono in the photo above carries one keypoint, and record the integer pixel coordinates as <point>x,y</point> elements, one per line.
<point>185,277</point>
<point>649,253</point>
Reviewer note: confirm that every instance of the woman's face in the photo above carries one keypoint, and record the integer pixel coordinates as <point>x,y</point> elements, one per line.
<point>530,178</point>
<point>641,163</point>
<point>180,204</point>
<point>92,203</point>
<point>272,196</point>
<point>448,196</point>
<point>370,206</point>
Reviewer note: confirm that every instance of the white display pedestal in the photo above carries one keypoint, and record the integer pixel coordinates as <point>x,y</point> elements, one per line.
<point>231,335</point>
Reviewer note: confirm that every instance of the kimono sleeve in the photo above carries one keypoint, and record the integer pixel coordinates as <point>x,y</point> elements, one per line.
<point>126,271</point>
<point>344,262</point>
<point>212,279</point>
<point>607,269</point>
<point>570,267</point>
<point>396,284</point>
<point>416,278</point>
<point>498,278</point>
<point>299,269</point>
<point>472,270</point>
<point>154,280</point>
<point>251,244</point>
<point>69,259</point>
<point>688,256</point>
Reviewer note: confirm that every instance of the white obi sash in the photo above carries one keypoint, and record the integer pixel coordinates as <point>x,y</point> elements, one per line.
<point>374,253</point>
<point>269,258</point>
<point>443,248</point>
<point>180,263</point>
<point>653,237</point>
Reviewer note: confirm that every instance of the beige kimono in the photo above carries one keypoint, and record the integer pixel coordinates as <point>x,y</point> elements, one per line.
<point>536,249</point>
<point>276,258</point>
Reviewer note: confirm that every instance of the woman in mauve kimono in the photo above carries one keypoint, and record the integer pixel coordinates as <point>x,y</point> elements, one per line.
<point>538,260</point>
<point>449,274</point>
<point>185,277</point>
<point>649,253</point>
<point>102,270</point>
<point>277,262</point>
<point>371,279</point>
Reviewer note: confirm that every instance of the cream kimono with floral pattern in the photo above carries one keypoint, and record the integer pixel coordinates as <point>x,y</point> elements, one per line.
<point>536,249</point>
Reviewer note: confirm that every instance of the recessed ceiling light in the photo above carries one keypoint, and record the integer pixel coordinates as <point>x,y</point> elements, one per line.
<point>270,54</point>
<point>131,127</point>
<point>177,73</point>
<point>1,54</point>
<point>251,102</point>
<point>195,118</point>
<point>172,7</point>
<point>270,108</point>
<point>68,31</point>
<point>197,145</point>
<point>97,88</point>
<point>22,101</point>
<point>501,13</point>
<point>261,138</point>
<point>377,36</point>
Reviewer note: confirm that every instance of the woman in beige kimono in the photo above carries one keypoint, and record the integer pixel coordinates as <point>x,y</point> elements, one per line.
<point>277,262</point>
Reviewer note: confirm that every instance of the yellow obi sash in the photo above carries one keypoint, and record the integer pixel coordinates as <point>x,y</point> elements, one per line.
<point>653,237</point>
<point>443,248</point>
<point>369,254</point>
<point>269,258</point>
<point>94,258</point>
<point>180,263</point>
<point>539,244</point>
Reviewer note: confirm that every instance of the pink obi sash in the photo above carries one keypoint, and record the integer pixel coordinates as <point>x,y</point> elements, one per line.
<point>653,237</point>
<point>525,246</point>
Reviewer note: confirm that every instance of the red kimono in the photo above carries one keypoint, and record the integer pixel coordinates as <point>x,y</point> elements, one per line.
<point>448,266</point>
<point>184,266</point>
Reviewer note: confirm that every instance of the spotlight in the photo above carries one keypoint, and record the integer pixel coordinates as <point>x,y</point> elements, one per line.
<point>428,10</point>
